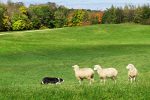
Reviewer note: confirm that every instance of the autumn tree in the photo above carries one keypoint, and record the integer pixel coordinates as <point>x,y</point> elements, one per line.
<point>79,17</point>
<point>96,17</point>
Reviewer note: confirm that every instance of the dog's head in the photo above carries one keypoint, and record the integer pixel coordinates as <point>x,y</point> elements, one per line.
<point>60,80</point>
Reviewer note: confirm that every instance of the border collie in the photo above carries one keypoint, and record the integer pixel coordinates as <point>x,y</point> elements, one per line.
<point>52,80</point>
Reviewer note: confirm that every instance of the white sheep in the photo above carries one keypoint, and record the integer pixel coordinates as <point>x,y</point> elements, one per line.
<point>83,73</point>
<point>106,73</point>
<point>132,72</point>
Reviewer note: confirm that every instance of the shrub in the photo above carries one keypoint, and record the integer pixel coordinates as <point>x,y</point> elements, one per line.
<point>146,21</point>
<point>43,27</point>
<point>29,25</point>
<point>94,20</point>
<point>7,23</point>
<point>59,23</point>
<point>36,22</point>
<point>19,25</point>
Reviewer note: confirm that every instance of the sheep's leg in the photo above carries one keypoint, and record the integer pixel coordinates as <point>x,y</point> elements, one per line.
<point>92,80</point>
<point>134,79</point>
<point>101,80</point>
<point>131,80</point>
<point>79,80</point>
<point>114,78</point>
<point>115,81</point>
<point>104,81</point>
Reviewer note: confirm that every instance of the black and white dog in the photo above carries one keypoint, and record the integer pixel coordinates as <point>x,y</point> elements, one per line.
<point>52,80</point>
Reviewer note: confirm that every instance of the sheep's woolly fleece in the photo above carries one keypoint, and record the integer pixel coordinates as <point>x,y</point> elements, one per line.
<point>106,72</point>
<point>83,73</point>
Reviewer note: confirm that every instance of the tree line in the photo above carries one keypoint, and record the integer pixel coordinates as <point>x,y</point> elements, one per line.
<point>16,16</point>
<point>127,14</point>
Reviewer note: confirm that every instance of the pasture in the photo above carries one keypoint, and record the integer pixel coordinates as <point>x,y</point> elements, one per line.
<point>28,56</point>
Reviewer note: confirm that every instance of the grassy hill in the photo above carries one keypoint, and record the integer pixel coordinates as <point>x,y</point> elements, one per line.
<point>28,56</point>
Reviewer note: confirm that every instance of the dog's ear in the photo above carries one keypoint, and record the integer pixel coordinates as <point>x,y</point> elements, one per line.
<point>61,80</point>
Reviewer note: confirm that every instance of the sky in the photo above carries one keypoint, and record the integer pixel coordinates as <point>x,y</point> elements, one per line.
<point>86,4</point>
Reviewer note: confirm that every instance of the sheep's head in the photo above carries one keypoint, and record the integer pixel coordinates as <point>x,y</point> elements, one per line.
<point>130,66</point>
<point>76,67</point>
<point>96,67</point>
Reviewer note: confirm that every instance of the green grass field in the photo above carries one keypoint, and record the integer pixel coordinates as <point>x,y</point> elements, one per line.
<point>28,56</point>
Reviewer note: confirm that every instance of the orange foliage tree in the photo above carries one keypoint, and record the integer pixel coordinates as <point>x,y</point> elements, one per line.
<point>96,17</point>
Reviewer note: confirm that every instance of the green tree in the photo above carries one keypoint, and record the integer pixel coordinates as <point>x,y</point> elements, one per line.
<point>126,14</point>
<point>138,15</point>
<point>36,22</point>
<point>119,15</point>
<point>79,17</point>
<point>7,23</point>
<point>2,10</point>
<point>146,15</point>
<point>146,12</point>
<point>61,16</point>
<point>45,13</point>
<point>23,10</point>
<point>129,12</point>
<point>110,15</point>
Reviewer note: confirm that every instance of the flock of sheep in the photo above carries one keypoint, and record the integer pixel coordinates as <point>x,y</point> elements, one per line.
<point>104,73</point>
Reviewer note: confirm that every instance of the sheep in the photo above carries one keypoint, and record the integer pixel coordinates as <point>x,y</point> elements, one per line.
<point>132,72</point>
<point>106,73</point>
<point>84,73</point>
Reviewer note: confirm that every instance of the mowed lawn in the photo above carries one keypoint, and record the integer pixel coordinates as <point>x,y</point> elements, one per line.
<point>28,56</point>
